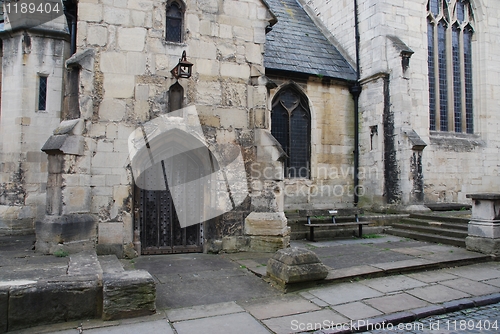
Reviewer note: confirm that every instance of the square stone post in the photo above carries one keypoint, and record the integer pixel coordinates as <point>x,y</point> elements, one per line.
<point>484,226</point>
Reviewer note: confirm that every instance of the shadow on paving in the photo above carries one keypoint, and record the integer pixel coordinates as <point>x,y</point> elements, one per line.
<point>198,279</point>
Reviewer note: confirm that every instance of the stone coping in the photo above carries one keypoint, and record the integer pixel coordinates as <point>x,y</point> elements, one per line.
<point>486,196</point>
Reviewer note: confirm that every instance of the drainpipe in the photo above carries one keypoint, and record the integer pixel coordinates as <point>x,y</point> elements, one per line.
<point>355,91</point>
<point>72,28</point>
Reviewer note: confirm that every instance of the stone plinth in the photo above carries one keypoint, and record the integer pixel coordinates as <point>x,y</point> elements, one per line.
<point>484,226</point>
<point>73,233</point>
<point>268,231</point>
<point>293,266</point>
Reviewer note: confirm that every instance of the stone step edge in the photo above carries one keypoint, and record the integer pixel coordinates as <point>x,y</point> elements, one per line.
<point>431,229</point>
<point>379,272</point>
<point>416,235</point>
<point>418,313</point>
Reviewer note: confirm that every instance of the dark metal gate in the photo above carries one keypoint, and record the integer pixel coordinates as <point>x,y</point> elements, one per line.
<point>161,231</point>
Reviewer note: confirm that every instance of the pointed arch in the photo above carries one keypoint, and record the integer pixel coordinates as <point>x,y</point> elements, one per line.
<point>291,126</point>
<point>175,97</point>
<point>449,29</point>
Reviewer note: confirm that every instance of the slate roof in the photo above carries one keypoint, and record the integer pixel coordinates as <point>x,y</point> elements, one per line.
<point>296,44</point>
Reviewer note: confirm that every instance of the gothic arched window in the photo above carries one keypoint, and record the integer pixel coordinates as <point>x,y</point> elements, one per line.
<point>174,21</point>
<point>291,126</point>
<point>449,39</point>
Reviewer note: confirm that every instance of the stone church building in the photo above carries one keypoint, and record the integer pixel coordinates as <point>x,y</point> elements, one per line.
<point>109,108</point>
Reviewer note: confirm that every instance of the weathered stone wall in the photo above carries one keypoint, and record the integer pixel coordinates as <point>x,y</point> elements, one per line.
<point>129,83</point>
<point>24,128</point>
<point>452,164</point>
<point>332,133</point>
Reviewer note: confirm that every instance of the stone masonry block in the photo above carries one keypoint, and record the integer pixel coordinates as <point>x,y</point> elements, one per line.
<point>97,35</point>
<point>110,233</point>
<point>266,224</point>
<point>235,70</point>
<point>113,62</point>
<point>128,294</point>
<point>112,110</point>
<point>90,12</point>
<point>131,39</point>
<point>296,265</point>
<point>56,300</point>
<point>119,86</point>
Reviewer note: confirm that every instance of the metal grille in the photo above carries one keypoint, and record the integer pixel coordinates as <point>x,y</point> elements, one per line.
<point>42,93</point>
<point>291,126</point>
<point>457,82</point>
<point>432,76</point>
<point>174,23</point>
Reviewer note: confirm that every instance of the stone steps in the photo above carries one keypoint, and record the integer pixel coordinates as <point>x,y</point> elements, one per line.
<point>435,223</point>
<point>449,228</point>
<point>91,287</point>
<point>432,229</point>
<point>460,242</point>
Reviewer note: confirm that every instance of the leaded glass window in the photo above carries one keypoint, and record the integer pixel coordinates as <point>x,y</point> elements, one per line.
<point>449,36</point>
<point>42,93</point>
<point>291,126</point>
<point>174,22</point>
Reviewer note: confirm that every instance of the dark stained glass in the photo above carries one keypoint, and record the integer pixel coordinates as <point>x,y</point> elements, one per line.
<point>460,11</point>
<point>42,93</point>
<point>174,23</point>
<point>434,7</point>
<point>457,83</point>
<point>443,82</point>
<point>468,79</point>
<point>291,126</point>
<point>432,76</point>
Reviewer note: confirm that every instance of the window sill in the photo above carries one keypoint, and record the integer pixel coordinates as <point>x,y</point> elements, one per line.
<point>455,141</point>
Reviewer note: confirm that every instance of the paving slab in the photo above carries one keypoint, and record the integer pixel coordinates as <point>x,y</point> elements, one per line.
<point>345,293</point>
<point>432,276</point>
<point>478,272</point>
<point>471,287</point>
<point>413,263</point>
<point>357,311</point>
<point>392,283</point>
<point>494,282</point>
<point>437,293</point>
<point>305,321</point>
<point>395,303</point>
<point>158,326</point>
<point>223,324</point>
<point>412,251</point>
<point>278,306</point>
<point>182,292</point>
<point>352,272</point>
<point>203,311</point>
<point>402,243</point>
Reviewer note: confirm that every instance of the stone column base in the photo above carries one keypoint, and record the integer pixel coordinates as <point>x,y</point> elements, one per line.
<point>72,233</point>
<point>483,245</point>
<point>268,231</point>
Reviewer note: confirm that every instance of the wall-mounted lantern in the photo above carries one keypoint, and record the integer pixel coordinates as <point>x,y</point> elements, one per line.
<point>183,68</point>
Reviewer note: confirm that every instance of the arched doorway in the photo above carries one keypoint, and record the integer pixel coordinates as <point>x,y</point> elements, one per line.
<point>159,221</point>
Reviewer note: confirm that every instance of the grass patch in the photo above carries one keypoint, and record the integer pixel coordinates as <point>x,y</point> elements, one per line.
<point>61,253</point>
<point>371,236</point>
